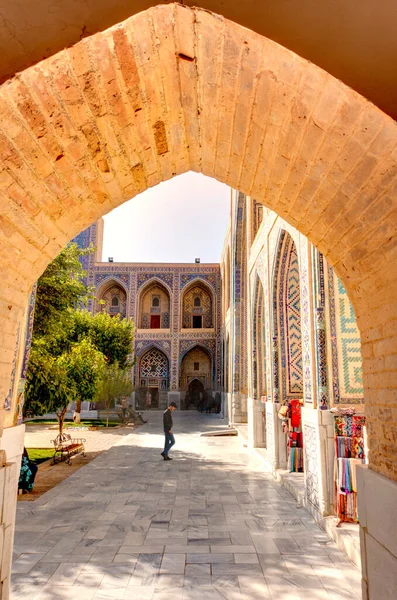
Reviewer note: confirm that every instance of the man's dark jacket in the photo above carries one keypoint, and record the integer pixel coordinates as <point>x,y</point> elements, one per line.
<point>167,420</point>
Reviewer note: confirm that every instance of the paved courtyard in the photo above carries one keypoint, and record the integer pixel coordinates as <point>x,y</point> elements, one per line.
<point>209,525</point>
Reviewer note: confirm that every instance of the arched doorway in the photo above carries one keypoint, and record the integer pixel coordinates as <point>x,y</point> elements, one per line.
<point>194,394</point>
<point>153,380</point>
<point>196,378</point>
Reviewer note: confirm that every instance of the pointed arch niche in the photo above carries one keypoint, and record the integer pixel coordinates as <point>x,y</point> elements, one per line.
<point>154,306</point>
<point>154,376</point>
<point>259,349</point>
<point>259,366</point>
<point>287,336</point>
<point>112,298</point>
<point>197,307</point>
<point>196,375</point>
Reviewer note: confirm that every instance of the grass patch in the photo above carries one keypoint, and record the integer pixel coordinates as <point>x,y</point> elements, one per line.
<point>85,423</point>
<point>39,455</point>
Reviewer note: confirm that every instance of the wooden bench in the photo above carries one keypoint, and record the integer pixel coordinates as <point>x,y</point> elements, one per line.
<point>66,447</point>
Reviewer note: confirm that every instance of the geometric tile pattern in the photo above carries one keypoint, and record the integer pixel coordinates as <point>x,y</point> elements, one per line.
<point>345,344</point>
<point>287,351</point>
<point>154,364</point>
<point>188,277</point>
<point>351,380</point>
<point>293,322</point>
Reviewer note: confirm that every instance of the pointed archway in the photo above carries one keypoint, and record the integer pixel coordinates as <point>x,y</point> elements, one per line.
<point>98,123</point>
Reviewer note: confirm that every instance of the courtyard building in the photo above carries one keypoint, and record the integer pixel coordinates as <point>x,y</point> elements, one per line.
<point>109,113</point>
<point>176,309</point>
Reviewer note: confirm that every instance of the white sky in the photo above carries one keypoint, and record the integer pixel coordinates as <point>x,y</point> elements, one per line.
<point>176,221</point>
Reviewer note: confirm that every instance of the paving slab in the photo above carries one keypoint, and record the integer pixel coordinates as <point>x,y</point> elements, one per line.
<point>210,524</point>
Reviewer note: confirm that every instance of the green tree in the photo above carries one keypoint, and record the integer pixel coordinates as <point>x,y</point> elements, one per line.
<point>60,287</point>
<point>48,386</point>
<point>84,365</point>
<point>115,384</point>
<point>70,347</point>
<point>113,336</point>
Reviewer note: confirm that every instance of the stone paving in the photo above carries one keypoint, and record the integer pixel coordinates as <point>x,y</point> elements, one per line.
<point>209,525</point>
<point>40,436</point>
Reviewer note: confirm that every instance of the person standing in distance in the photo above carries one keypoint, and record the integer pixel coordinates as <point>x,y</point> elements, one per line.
<point>169,436</point>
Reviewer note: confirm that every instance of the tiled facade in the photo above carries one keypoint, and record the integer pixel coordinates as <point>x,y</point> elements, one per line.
<point>301,335</point>
<point>176,309</point>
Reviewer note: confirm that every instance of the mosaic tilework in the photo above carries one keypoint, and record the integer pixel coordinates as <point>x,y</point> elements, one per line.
<point>239,315</point>
<point>101,278</point>
<point>322,376</point>
<point>29,330</point>
<point>345,343</point>
<point>306,345</point>
<point>142,345</point>
<point>287,347</point>
<point>166,278</point>
<point>154,364</point>
<point>187,278</point>
<point>174,278</point>
<point>18,413</point>
<point>257,217</point>
<point>258,337</point>
<point>311,466</point>
<point>293,318</point>
<point>321,329</point>
<point>83,240</point>
<point>8,399</point>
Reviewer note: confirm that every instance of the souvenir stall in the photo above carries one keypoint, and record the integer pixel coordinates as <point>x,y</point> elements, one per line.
<point>290,414</point>
<point>349,452</point>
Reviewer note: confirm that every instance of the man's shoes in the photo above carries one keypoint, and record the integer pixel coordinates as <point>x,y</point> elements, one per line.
<point>167,457</point>
<point>163,455</point>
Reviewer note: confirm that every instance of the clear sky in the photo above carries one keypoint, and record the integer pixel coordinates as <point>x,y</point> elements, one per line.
<point>177,221</point>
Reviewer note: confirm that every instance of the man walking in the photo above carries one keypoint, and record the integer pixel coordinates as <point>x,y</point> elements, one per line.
<point>169,436</point>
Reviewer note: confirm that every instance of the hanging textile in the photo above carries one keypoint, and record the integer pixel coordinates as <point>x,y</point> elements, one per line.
<point>295,437</point>
<point>349,452</point>
<point>295,413</point>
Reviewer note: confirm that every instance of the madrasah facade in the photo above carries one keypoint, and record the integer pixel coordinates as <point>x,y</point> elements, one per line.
<point>269,326</point>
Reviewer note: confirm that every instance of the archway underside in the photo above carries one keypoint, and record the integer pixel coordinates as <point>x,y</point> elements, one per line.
<point>93,126</point>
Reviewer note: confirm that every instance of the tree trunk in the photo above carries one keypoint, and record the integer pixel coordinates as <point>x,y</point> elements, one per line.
<point>77,412</point>
<point>61,418</point>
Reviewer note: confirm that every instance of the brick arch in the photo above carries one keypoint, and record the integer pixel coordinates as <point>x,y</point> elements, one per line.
<point>100,122</point>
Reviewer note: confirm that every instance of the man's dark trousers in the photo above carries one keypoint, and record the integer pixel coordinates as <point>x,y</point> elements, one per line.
<point>169,441</point>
